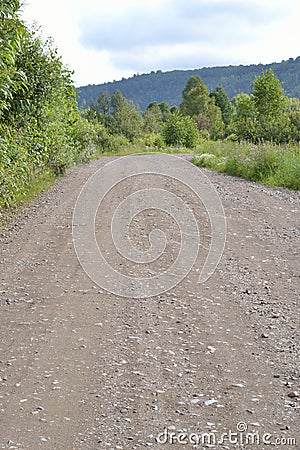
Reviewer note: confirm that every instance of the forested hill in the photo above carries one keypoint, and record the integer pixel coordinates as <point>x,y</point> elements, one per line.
<point>167,86</point>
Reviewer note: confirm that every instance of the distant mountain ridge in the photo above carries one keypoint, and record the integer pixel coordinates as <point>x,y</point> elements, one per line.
<point>167,86</point>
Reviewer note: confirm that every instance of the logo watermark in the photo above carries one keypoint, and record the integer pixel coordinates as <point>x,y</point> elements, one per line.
<point>241,436</point>
<point>108,178</point>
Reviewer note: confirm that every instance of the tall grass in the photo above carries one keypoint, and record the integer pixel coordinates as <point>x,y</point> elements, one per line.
<point>269,164</point>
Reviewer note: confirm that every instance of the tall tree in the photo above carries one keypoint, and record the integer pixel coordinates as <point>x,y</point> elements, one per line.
<point>243,118</point>
<point>117,101</point>
<point>270,103</point>
<point>268,95</point>
<point>104,102</point>
<point>264,114</point>
<point>153,118</point>
<point>197,103</point>
<point>165,110</point>
<point>12,30</point>
<point>127,119</point>
<point>222,101</point>
<point>195,97</point>
<point>39,119</point>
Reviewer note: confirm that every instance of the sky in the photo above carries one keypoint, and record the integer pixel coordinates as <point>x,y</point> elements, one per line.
<point>106,40</point>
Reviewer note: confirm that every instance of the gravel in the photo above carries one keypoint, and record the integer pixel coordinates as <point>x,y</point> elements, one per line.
<point>81,368</point>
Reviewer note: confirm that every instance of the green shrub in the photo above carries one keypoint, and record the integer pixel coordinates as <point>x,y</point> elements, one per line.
<point>41,131</point>
<point>205,160</point>
<point>117,143</point>
<point>159,142</point>
<point>180,130</point>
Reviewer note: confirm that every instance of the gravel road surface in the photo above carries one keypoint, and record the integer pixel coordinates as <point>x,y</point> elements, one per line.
<point>201,366</point>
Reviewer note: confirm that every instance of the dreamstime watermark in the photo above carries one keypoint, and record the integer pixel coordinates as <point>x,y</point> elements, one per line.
<point>104,181</point>
<point>239,437</point>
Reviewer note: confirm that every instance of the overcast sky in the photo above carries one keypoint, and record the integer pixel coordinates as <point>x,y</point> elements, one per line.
<point>105,40</point>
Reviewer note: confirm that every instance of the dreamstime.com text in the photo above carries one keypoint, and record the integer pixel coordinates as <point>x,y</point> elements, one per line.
<point>241,436</point>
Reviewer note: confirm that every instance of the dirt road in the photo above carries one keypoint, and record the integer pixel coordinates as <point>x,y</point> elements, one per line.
<point>199,366</point>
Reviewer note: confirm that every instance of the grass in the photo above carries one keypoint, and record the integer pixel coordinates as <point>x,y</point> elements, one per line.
<point>37,185</point>
<point>268,164</point>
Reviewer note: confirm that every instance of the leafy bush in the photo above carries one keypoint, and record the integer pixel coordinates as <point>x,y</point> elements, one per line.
<point>117,143</point>
<point>41,130</point>
<point>266,115</point>
<point>180,130</point>
<point>205,160</point>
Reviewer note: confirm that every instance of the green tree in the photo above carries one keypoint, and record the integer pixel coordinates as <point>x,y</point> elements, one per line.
<point>100,111</point>
<point>119,115</point>
<point>104,103</point>
<point>40,125</point>
<point>153,118</point>
<point>270,102</point>
<point>293,111</point>
<point>180,130</point>
<point>12,30</point>
<point>117,102</point>
<point>263,115</point>
<point>127,119</point>
<point>197,103</point>
<point>216,126</point>
<point>243,117</point>
<point>174,109</point>
<point>165,110</point>
<point>195,97</point>
<point>268,96</point>
<point>222,101</point>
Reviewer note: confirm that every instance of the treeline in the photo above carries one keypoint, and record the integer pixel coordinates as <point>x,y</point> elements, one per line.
<point>41,130</point>
<point>264,115</point>
<point>167,86</point>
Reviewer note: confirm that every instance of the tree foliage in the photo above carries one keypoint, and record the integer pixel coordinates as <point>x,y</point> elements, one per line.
<point>181,130</point>
<point>222,101</point>
<point>195,97</point>
<point>265,114</point>
<point>197,103</point>
<point>153,118</point>
<point>243,117</point>
<point>119,115</point>
<point>40,121</point>
<point>268,95</point>
<point>12,30</point>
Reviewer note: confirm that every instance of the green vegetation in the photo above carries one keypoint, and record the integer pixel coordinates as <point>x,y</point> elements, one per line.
<point>198,104</point>
<point>168,86</point>
<point>212,126</point>
<point>264,115</point>
<point>41,130</point>
<point>269,164</point>
<point>180,130</point>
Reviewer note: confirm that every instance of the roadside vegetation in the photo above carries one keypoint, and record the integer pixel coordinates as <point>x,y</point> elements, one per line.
<point>42,131</point>
<point>254,136</point>
<point>269,164</point>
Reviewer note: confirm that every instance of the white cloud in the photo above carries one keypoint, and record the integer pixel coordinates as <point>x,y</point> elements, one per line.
<point>105,40</point>
<point>172,22</point>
